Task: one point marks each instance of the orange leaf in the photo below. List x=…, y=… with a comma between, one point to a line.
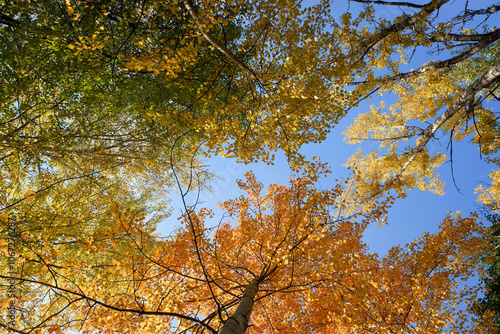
x=28, y=195
x=6, y=302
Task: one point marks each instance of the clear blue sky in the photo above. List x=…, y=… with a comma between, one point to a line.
x=409, y=217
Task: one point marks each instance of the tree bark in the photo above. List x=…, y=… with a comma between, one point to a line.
x=484, y=41
x=485, y=81
x=238, y=322
x=391, y=3
x=406, y=22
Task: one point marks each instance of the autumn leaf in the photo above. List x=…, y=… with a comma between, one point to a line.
x=6, y=302
x=5, y=250
x=28, y=196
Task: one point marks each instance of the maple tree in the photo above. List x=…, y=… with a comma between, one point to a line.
x=288, y=260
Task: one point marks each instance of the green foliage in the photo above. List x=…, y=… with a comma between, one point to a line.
x=470, y=69
x=488, y=307
x=106, y=89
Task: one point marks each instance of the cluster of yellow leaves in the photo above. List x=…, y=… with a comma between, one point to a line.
x=281, y=105
x=403, y=155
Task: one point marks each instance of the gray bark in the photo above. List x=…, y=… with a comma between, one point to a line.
x=238, y=322
x=485, y=81
x=469, y=14
x=484, y=41
x=391, y=3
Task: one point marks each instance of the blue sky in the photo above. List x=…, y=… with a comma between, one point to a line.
x=419, y=212
x=408, y=218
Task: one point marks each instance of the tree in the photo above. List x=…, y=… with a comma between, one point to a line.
x=245, y=84
x=287, y=260
x=488, y=307
x=82, y=85
x=107, y=104
x=235, y=81
x=446, y=95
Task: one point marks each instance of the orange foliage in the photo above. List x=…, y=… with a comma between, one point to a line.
x=306, y=255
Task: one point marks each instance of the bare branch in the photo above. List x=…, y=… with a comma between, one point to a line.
x=391, y=3
x=490, y=38
x=460, y=37
x=406, y=22
x=469, y=14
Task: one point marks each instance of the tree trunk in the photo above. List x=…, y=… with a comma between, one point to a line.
x=238, y=322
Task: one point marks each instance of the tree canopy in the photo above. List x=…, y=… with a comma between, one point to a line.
x=110, y=109
x=488, y=307
x=288, y=259
x=448, y=95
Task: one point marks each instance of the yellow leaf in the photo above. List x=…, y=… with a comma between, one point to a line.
x=5, y=250
x=4, y=217
x=28, y=195
x=70, y=10
x=45, y=269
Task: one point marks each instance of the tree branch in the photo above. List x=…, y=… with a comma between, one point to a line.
x=221, y=47
x=115, y=308
x=469, y=14
x=460, y=37
x=484, y=82
x=13, y=330
x=487, y=40
x=408, y=21
x=4, y=19
x=391, y=3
